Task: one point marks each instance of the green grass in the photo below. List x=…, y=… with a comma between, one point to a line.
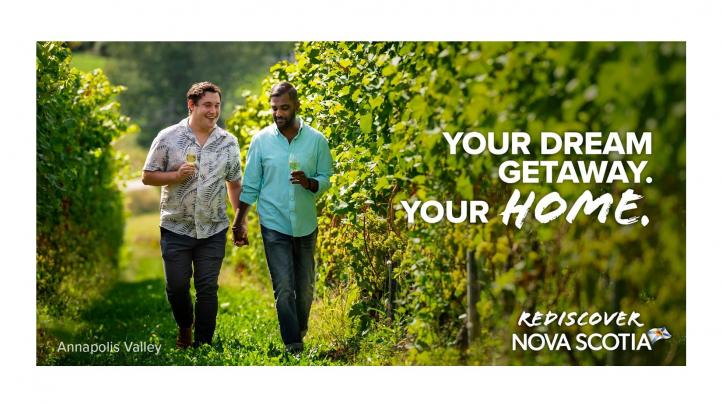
x=135, y=309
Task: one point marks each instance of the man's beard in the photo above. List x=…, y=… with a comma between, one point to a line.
x=286, y=123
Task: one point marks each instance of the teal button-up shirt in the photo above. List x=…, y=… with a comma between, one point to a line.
x=282, y=206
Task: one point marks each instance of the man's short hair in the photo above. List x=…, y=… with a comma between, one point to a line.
x=196, y=91
x=282, y=88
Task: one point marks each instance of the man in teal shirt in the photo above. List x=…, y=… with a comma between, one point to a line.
x=289, y=166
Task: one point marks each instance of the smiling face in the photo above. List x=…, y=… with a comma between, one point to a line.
x=206, y=111
x=284, y=111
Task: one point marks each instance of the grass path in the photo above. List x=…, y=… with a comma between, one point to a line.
x=135, y=310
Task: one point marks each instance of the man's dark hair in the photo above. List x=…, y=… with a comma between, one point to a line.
x=282, y=88
x=196, y=91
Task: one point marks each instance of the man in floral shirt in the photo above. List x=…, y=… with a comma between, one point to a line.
x=196, y=163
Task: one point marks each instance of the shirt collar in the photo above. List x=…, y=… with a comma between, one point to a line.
x=184, y=123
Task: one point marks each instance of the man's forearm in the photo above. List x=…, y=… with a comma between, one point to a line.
x=159, y=178
x=234, y=194
x=241, y=213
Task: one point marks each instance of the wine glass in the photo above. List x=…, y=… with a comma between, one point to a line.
x=192, y=159
x=293, y=162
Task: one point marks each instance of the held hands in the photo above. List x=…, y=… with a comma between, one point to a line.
x=185, y=171
x=240, y=228
x=299, y=178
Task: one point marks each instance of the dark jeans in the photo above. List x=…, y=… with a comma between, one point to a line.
x=185, y=257
x=291, y=264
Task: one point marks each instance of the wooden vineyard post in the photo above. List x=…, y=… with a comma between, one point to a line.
x=392, y=291
x=472, y=297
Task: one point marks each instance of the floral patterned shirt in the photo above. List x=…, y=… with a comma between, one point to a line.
x=195, y=207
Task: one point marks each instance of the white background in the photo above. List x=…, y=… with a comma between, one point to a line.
x=24, y=23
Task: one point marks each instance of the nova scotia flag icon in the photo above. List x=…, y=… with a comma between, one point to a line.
x=657, y=334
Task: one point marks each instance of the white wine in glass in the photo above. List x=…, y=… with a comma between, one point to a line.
x=191, y=158
x=294, y=163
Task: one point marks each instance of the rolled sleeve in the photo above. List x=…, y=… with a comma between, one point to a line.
x=253, y=174
x=324, y=167
x=157, y=159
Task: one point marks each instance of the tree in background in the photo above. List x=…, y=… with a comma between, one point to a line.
x=158, y=74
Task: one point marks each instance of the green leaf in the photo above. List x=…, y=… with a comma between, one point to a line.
x=365, y=123
x=388, y=70
x=376, y=101
x=464, y=187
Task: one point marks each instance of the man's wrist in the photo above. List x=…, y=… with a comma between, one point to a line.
x=311, y=185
